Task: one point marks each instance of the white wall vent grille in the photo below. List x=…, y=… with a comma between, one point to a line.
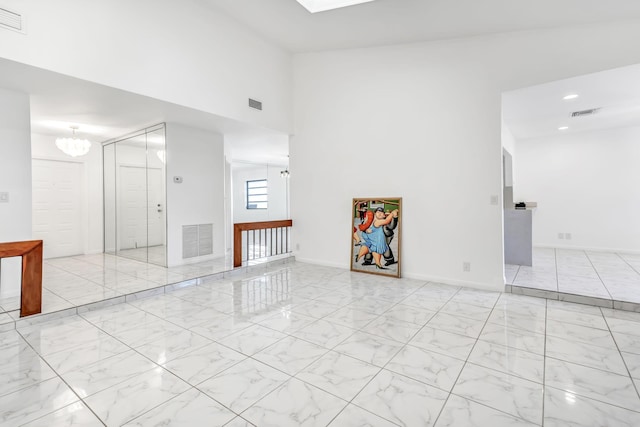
x=255, y=104
x=11, y=20
x=197, y=240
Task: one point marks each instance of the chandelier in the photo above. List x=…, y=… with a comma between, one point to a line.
x=73, y=146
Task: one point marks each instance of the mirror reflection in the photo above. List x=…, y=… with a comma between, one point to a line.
x=134, y=196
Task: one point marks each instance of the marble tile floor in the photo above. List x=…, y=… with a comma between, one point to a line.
x=302, y=345
x=597, y=278
x=80, y=280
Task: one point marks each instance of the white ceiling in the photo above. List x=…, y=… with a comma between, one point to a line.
x=383, y=22
x=102, y=113
x=538, y=111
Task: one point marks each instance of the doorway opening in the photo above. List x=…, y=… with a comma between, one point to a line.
x=571, y=204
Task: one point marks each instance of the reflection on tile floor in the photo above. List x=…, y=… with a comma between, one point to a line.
x=303, y=345
x=75, y=281
x=598, y=278
x=153, y=254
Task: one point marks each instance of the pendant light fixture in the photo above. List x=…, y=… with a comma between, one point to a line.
x=73, y=146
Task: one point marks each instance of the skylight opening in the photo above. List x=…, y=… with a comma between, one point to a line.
x=315, y=6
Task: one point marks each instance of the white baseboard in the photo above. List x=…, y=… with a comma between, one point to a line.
x=497, y=287
x=343, y=266
x=589, y=249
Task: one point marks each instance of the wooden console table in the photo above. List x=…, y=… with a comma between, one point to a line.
x=31, y=253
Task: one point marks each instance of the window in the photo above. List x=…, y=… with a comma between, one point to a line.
x=257, y=197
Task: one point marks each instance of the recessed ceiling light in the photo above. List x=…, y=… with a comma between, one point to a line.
x=571, y=96
x=314, y=6
x=563, y=128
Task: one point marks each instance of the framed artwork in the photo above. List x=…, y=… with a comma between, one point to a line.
x=375, y=235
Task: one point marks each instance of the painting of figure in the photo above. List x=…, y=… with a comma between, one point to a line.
x=375, y=242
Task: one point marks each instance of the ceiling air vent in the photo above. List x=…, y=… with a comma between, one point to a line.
x=255, y=104
x=11, y=20
x=582, y=113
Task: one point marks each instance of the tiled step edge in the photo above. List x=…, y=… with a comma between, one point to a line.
x=579, y=299
x=251, y=270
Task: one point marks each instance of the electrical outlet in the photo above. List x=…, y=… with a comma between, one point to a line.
x=561, y=236
x=297, y=246
x=494, y=200
x=4, y=197
x=466, y=266
x=567, y=236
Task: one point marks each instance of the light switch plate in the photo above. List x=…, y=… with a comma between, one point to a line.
x=4, y=197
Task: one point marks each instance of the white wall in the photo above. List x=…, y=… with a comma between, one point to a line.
x=508, y=162
x=586, y=184
x=198, y=157
x=277, y=193
x=15, y=179
x=508, y=141
x=228, y=204
x=44, y=147
x=177, y=51
x=423, y=121
x=509, y=145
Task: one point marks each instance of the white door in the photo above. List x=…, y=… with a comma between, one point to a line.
x=141, y=212
x=133, y=207
x=57, y=207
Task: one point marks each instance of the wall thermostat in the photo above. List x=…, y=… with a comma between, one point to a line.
x=177, y=179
